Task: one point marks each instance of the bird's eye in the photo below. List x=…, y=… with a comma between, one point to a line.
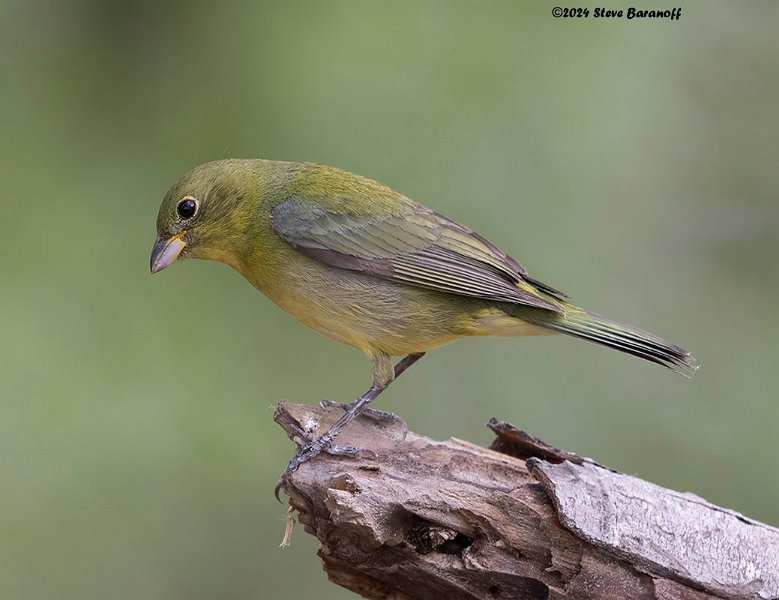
x=187, y=208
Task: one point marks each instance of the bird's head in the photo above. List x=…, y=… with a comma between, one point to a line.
x=206, y=213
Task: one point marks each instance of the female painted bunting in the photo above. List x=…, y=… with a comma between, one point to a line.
x=368, y=267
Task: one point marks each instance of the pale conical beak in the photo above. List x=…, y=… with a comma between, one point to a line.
x=165, y=252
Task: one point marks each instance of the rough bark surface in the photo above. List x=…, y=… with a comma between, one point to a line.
x=415, y=518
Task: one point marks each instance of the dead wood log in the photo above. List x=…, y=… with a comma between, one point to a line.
x=419, y=519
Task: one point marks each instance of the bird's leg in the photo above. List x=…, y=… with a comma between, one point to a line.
x=405, y=362
x=383, y=375
x=324, y=443
x=380, y=415
x=302, y=438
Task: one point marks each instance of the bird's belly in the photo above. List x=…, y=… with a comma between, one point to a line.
x=369, y=313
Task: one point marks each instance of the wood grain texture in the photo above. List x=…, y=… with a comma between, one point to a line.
x=681, y=535
x=416, y=518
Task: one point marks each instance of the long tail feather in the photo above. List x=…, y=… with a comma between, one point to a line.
x=625, y=338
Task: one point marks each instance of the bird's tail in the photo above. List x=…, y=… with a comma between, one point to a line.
x=625, y=338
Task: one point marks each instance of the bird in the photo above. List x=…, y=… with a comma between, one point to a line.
x=369, y=267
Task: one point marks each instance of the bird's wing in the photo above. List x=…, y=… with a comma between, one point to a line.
x=412, y=245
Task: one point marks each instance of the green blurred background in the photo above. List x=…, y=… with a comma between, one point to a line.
x=631, y=164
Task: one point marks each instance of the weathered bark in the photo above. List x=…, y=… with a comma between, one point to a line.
x=420, y=519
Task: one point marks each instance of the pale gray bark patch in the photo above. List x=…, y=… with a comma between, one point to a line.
x=677, y=534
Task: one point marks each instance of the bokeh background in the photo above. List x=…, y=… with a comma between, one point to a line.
x=631, y=164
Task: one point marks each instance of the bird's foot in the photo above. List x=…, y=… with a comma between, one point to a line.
x=373, y=414
x=309, y=448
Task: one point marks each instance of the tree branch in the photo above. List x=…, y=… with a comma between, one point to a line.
x=421, y=519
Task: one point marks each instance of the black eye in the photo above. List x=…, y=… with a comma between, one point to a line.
x=187, y=208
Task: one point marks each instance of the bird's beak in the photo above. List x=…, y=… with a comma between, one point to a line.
x=165, y=251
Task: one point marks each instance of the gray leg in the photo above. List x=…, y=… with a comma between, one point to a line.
x=325, y=441
x=405, y=362
x=382, y=378
x=372, y=413
x=303, y=439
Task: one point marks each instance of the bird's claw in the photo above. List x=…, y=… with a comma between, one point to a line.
x=371, y=413
x=310, y=448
